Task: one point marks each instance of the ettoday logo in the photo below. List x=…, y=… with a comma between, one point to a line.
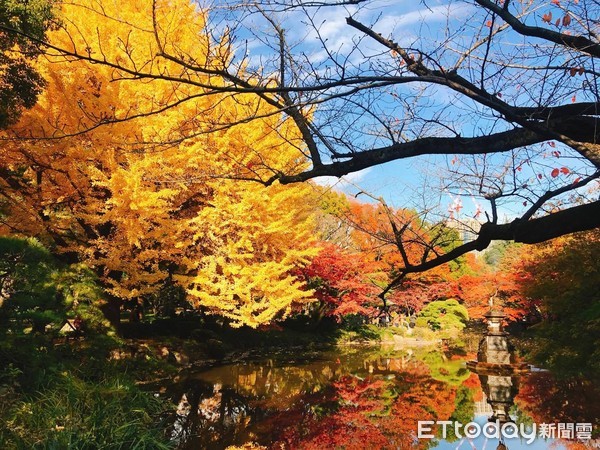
x=472, y=430
x=508, y=430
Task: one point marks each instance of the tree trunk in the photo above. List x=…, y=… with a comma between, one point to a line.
x=112, y=312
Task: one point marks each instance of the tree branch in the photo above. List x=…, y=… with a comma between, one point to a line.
x=579, y=43
x=495, y=143
x=571, y=220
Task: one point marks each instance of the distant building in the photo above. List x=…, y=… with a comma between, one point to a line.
x=467, y=228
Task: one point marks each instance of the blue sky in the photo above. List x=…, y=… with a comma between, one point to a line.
x=419, y=182
x=481, y=443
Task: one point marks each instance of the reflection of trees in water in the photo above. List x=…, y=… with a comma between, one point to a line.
x=319, y=404
x=534, y=397
x=209, y=416
x=372, y=412
x=224, y=405
x=354, y=401
x=546, y=398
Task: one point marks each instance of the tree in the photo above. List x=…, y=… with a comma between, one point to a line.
x=447, y=315
x=142, y=219
x=20, y=82
x=343, y=284
x=40, y=294
x=522, y=131
x=350, y=281
x=563, y=279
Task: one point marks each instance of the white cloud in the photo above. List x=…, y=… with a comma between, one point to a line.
x=343, y=182
x=401, y=24
x=391, y=24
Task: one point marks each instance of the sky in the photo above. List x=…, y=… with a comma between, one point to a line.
x=416, y=182
x=481, y=443
x=401, y=182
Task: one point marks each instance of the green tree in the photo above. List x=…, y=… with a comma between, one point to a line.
x=38, y=294
x=20, y=83
x=445, y=315
x=447, y=239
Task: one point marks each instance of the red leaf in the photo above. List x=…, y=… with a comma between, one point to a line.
x=564, y=170
x=566, y=20
x=540, y=176
x=547, y=17
x=554, y=173
x=574, y=98
x=488, y=23
x=577, y=180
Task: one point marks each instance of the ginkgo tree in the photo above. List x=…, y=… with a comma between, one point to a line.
x=150, y=199
x=507, y=90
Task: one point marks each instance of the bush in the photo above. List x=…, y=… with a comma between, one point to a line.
x=443, y=315
x=56, y=393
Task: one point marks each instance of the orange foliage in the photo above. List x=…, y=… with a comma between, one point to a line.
x=344, y=283
x=474, y=384
x=373, y=235
x=476, y=290
x=373, y=413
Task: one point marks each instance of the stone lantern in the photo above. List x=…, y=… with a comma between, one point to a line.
x=494, y=348
x=494, y=319
x=496, y=366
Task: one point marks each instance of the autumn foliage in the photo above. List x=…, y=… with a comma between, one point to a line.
x=146, y=198
x=343, y=283
x=373, y=411
x=145, y=179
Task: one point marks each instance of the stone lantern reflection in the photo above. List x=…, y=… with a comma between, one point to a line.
x=496, y=367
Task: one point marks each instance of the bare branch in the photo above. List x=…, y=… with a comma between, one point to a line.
x=579, y=43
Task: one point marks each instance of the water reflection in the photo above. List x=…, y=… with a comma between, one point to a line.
x=335, y=399
x=365, y=398
x=497, y=368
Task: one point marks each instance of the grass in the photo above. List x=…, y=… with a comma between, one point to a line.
x=75, y=414
x=74, y=397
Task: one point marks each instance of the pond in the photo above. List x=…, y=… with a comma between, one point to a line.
x=373, y=398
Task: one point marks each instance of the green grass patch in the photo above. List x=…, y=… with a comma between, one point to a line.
x=75, y=414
